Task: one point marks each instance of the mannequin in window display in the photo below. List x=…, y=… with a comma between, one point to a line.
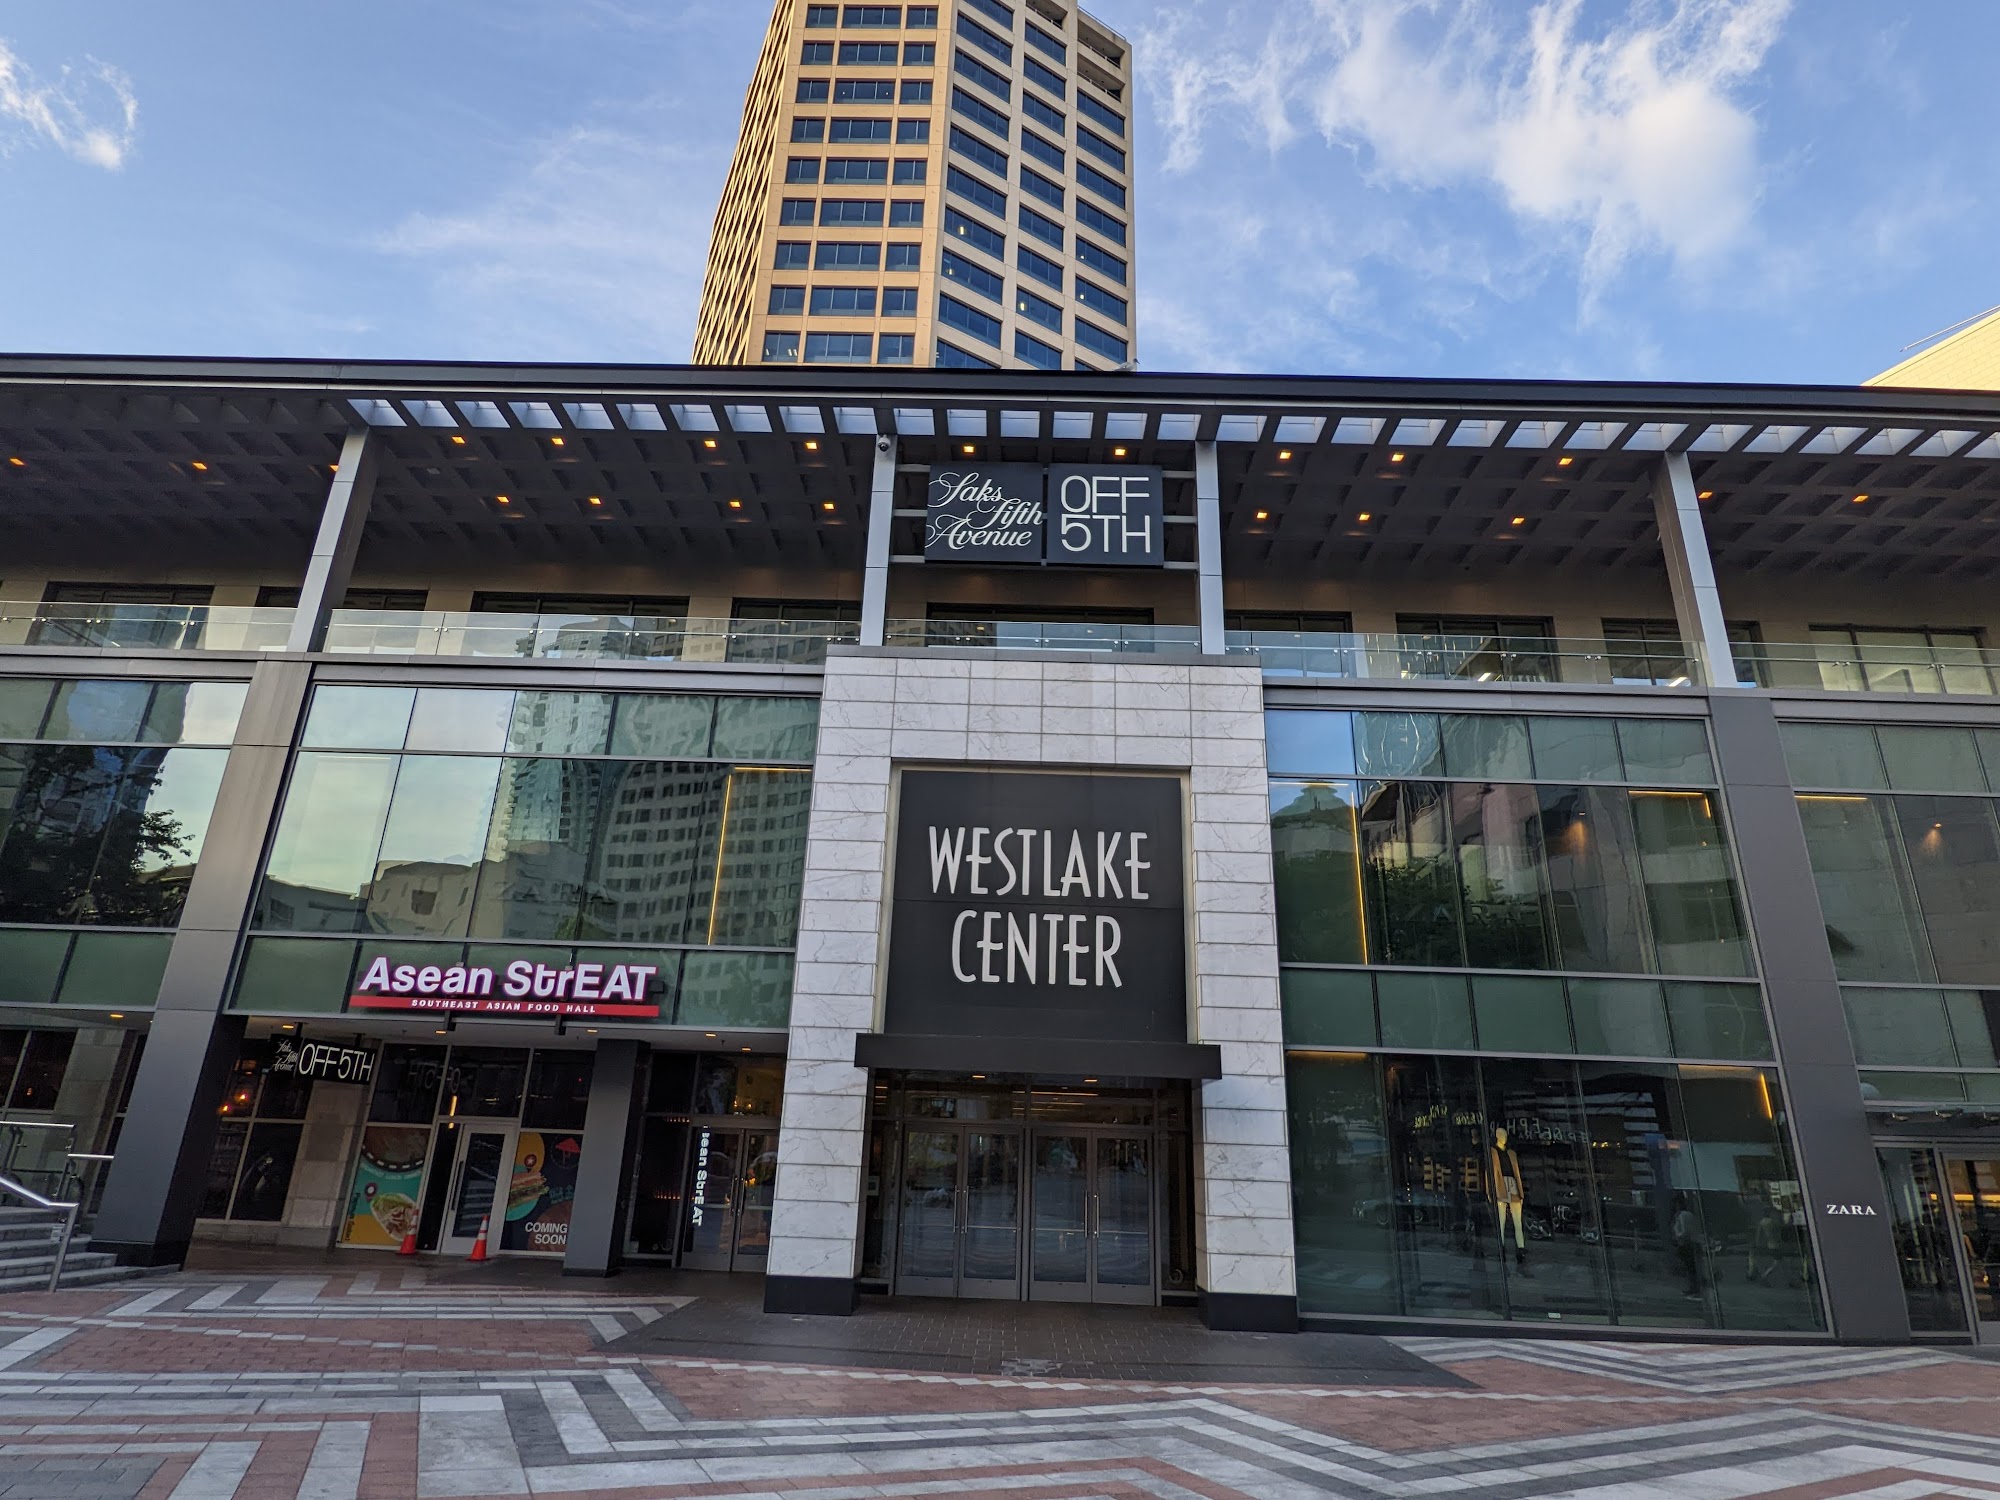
x=1509, y=1199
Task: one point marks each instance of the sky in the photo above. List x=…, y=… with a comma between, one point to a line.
x=1713, y=190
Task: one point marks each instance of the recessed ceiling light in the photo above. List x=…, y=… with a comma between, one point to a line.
x=1706, y=495
x=1263, y=515
x=1284, y=454
x=1117, y=452
x=1395, y=458
x=199, y=466
x=709, y=1034
x=596, y=499
x=501, y=498
x=746, y=1049
x=1518, y=520
x=1859, y=498
x=826, y=505
x=555, y=442
x=708, y=442
x=1564, y=462
x=736, y=505
x=118, y=1015
x=1364, y=516
x=967, y=450
x=19, y=463
x=812, y=445
x=458, y=440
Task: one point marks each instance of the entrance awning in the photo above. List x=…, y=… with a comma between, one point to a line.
x=1063, y=1055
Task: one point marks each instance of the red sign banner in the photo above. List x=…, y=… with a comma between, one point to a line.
x=497, y=1006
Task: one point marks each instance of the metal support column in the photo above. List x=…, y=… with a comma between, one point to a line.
x=1845, y=1201
x=881, y=520
x=1691, y=572
x=156, y=1182
x=1208, y=548
x=610, y=1133
x=339, y=539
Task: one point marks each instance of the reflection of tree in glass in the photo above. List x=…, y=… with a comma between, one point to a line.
x=81, y=846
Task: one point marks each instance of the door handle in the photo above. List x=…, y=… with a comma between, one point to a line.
x=1096, y=1215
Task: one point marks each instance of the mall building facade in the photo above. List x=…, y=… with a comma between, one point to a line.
x=1333, y=852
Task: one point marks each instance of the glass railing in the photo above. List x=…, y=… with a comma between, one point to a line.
x=1434, y=658
x=144, y=627
x=573, y=637
x=1043, y=635
x=1884, y=668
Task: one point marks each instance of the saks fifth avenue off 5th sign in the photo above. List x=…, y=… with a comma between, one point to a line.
x=1087, y=515
x=1038, y=905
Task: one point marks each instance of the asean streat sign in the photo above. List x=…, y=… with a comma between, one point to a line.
x=1087, y=515
x=521, y=988
x=1033, y=905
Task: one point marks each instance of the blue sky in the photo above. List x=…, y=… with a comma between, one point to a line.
x=1703, y=190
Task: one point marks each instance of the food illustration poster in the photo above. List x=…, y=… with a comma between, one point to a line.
x=541, y=1190
x=383, y=1205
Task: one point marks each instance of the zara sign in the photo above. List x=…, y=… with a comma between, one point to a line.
x=1082, y=514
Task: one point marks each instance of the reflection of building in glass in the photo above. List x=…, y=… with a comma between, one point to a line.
x=428, y=897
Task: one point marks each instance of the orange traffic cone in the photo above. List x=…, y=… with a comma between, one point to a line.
x=479, y=1245
x=409, y=1244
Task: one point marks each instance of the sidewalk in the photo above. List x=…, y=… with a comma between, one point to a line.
x=269, y=1376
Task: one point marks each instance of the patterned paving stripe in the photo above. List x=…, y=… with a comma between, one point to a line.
x=1700, y=1372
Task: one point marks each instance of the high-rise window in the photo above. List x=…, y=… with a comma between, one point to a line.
x=865, y=54
x=1101, y=261
x=1089, y=140
x=872, y=15
x=1111, y=192
x=1043, y=151
x=971, y=68
x=822, y=17
x=899, y=302
x=973, y=190
x=780, y=346
x=787, y=299
x=1048, y=231
x=951, y=357
x=861, y=132
x=793, y=255
x=912, y=132
x=919, y=16
x=1044, y=114
x=812, y=91
x=955, y=314
x=843, y=301
x=1098, y=300
x=919, y=54
x=916, y=91
x=839, y=348
x=973, y=277
x=1109, y=118
x=806, y=129
x=906, y=214
x=972, y=232
x=836, y=255
x=896, y=348
x=1036, y=353
x=1091, y=217
x=816, y=54
x=1097, y=341
x=911, y=171
x=851, y=211
x=865, y=91
x=858, y=169
x=905, y=258
x=985, y=40
x=802, y=169
x=796, y=211
x=1037, y=309
x=1043, y=78
x=1035, y=185
x=1039, y=266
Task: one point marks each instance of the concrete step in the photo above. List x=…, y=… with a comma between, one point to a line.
x=72, y=1277
x=24, y=1265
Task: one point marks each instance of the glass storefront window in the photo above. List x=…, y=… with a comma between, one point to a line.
x=407, y=1079
x=1639, y=1194
x=1316, y=863
x=1865, y=893
x=761, y=729
x=1953, y=846
x=731, y=1086
x=472, y=720
x=558, y=1090
x=432, y=844
x=359, y=718
x=328, y=837
x=485, y=1081
x=1833, y=755
x=664, y=725
x=1577, y=749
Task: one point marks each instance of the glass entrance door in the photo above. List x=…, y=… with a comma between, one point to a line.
x=960, y=1213
x=1974, y=1186
x=1092, y=1231
x=482, y=1165
x=732, y=1180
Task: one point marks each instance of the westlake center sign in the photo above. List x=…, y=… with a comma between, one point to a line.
x=1082, y=514
x=1038, y=906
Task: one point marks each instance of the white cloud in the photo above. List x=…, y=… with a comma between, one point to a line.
x=89, y=113
x=1625, y=138
x=594, y=250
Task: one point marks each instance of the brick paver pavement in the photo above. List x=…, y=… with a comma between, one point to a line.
x=367, y=1378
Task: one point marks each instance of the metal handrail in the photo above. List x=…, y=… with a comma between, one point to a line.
x=63, y=1236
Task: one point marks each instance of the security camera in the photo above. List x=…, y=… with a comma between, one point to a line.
x=882, y=445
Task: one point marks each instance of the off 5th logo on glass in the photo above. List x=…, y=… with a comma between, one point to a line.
x=1078, y=514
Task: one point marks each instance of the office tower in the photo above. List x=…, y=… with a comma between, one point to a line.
x=945, y=185
x=1965, y=357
